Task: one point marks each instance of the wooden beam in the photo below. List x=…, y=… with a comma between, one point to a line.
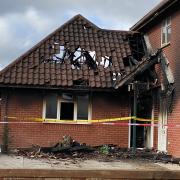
x=166, y=69
x=140, y=69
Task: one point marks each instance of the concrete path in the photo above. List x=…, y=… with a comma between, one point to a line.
x=22, y=167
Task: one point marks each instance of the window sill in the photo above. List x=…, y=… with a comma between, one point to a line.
x=165, y=45
x=57, y=121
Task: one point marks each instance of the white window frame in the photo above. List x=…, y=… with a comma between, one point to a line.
x=60, y=99
x=166, y=26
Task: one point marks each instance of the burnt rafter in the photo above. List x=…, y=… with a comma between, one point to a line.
x=137, y=45
x=145, y=65
x=89, y=60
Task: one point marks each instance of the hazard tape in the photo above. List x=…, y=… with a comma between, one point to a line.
x=110, y=121
x=85, y=121
x=89, y=121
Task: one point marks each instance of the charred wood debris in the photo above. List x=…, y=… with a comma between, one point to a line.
x=70, y=149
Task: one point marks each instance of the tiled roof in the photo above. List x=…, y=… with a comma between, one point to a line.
x=77, y=53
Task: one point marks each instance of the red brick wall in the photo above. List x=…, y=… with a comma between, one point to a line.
x=25, y=104
x=173, y=54
x=110, y=105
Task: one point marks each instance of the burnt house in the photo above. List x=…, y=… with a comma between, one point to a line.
x=80, y=73
x=161, y=27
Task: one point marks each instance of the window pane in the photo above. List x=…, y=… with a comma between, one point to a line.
x=82, y=107
x=168, y=21
x=163, y=37
x=67, y=111
x=164, y=24
x=166, y=30
x=168, y=33
x=51, y=106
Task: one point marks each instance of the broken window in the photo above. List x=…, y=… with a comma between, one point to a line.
x=67, y=111
x=51, y=106
x=82, y=107
x=66, y=107
x=166, y=31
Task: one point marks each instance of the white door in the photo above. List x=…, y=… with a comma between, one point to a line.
x=162, y=130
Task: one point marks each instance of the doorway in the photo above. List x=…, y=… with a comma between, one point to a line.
x=162, y=130
x=143, y=133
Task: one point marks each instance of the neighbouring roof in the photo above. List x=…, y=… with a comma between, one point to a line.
x=156, y=12
x=77, y=54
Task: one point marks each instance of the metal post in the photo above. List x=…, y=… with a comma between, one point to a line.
x=134, y=114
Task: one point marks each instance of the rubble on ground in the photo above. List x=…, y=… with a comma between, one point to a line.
x=71, y=149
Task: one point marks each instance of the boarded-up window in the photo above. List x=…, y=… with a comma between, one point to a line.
x=82, y=107
x=51, y=106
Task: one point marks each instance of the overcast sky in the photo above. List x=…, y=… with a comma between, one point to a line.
x=24, y=22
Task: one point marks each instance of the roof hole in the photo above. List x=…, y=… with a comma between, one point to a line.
x=106, y=61
x=80, y=82
x=126, y=61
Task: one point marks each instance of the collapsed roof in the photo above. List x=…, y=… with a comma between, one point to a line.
x=77, y=54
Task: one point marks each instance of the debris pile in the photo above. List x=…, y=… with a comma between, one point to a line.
x=68, y=145
x=71, y=149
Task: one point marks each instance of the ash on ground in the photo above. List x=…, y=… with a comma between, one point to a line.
x=68, y=148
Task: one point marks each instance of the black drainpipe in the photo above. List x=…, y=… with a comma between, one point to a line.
x=5, y=139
